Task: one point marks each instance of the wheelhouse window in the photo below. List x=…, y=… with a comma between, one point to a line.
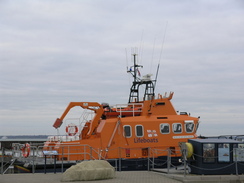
x=189, y=127
x=164, y=128
x=177, y=128
x=139, y=131
x=127, y=131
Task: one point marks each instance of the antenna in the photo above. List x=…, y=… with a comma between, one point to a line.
x=161, y=53
x=126, y=59
x=141, y=48
x=163, y=42
x=152, y=54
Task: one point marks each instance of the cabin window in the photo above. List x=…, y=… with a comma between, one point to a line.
x=139, y=131
x=164, y=128
x=189, y=127
x=224, y=152
x=238, y=151
x=208, y=153
x=127, y=131
x=177, y=128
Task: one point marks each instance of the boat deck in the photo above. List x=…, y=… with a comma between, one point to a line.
x=127, y=176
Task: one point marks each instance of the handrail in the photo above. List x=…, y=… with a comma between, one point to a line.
x=119, y=108
x=11, y=164
x=91, y=153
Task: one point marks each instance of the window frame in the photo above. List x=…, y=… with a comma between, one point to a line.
x=192, y=128
x=173, y=128
x=223, y=151
x=125, y=133
x=161, y=128
x=141, y=131
x=208, y=157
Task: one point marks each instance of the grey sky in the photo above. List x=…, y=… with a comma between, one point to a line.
x=55, y=52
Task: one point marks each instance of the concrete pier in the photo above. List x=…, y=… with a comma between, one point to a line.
x=127, y=177
x=121, y=177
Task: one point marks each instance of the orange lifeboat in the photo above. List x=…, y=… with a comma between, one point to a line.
x=150, y=127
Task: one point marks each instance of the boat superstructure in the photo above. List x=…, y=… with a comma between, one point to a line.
x=130, y=131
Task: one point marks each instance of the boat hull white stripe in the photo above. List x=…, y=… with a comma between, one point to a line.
x=183, y=137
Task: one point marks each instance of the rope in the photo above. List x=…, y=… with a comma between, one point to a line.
x=213, y=168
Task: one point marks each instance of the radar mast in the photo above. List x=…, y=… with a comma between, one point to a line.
x=137, y=82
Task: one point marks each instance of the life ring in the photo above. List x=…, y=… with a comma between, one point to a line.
x=71, y=129
x=26, y=150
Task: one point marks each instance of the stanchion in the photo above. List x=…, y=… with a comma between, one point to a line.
x=2, y=160
x=153, y=160
x=90, y=153
x=55, y=156
x=148, y=159
x=45, y=160
x=116, y=164
x=235, y=150
x=62, y=167
x=168, y=160
x=119, y=159
x=184, y=156
x=33, y=160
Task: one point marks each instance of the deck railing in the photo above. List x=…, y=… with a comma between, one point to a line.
x=86, y=152
x=151, y=161
x=135, y=107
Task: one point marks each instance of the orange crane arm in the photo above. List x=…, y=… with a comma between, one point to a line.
x=84, y=105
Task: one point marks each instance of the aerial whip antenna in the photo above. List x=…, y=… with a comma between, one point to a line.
x=152, y=54
x=161, y=53
x=126, y=58
x=141, y=48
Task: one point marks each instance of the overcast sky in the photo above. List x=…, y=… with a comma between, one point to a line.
x=55, y=52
